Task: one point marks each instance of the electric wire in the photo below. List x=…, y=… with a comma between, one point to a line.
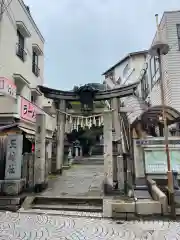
x=6, y=6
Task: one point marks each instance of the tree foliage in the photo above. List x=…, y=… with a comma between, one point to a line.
x=87, y=137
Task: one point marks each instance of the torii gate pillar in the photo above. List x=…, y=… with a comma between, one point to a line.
x=60, y=135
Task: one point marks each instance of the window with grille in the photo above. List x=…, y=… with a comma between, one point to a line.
x=154, y=70
x=178, y=34
x=126, y=71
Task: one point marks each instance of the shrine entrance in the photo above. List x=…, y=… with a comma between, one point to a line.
x=109, y=118
x=86, y=183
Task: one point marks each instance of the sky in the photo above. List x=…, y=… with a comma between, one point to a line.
x=86, y=37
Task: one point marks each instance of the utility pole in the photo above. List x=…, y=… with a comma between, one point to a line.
x=158, y=49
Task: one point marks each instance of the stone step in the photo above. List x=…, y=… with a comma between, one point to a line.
x=90, y=163
x=62, y=213
x=141, y=187
x=142, y=194
x=11, y=208
x=10, y=203
x=88, y=204
x=69, y=200
x=9, y=200
x=68, y=207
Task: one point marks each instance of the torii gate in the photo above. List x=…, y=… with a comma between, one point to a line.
x=111, y=119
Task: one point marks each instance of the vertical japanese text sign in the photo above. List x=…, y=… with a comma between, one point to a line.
x=14, y=157
x=40, y=148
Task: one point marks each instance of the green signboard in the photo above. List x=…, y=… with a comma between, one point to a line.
x=156, y=161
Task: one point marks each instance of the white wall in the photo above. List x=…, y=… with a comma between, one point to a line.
x=173, y=59
x=135, y=65
x=170, y=63
x=9, y=62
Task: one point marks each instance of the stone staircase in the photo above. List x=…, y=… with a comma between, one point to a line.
x=92, y=160
x=69, y=206
x=10, y=203
x=98, y=150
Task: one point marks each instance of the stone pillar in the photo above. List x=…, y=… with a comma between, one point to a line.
x=120, y=166
x=81, y=152
x=108, y=152
x=118, y=137
x=70, y=156
x=60, y=136
x=40, y=158
x=13, y=182
x=77, y=151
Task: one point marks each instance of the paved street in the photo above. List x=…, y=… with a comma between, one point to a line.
x=16, y=226
x=79, y=180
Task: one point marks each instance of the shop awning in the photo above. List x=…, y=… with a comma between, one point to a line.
x=29, y=132
x=5, y=127
x=154, y=115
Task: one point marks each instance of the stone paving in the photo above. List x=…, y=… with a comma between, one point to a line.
x=22, y=226
x=79, y=180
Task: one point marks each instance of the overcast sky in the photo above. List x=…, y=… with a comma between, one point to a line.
x=85, y=37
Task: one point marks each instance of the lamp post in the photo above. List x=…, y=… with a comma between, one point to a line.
x=157, y=49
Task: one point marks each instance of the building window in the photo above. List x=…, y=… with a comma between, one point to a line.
x=145, y=87
x=35, y=68
x=20, y=52
x=154, y=70
x=126, y=71
x=178, y=34
x=32, y=98
x=110, y=75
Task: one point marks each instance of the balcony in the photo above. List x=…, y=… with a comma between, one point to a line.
x=20, y=52
x=35, y=70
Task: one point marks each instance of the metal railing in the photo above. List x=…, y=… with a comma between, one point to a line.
x=20, y=52
x=35, y=69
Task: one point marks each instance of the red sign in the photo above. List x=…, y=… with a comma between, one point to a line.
x=29, y=110
x=7, y=87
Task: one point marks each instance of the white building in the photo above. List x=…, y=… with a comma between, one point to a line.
x=144, y=68
x=124, y=72
x=21, y=68
x=170, y=34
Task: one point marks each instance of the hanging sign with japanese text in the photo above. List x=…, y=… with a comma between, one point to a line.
x=29, y=110
x=14, y=157
x=7, y=87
